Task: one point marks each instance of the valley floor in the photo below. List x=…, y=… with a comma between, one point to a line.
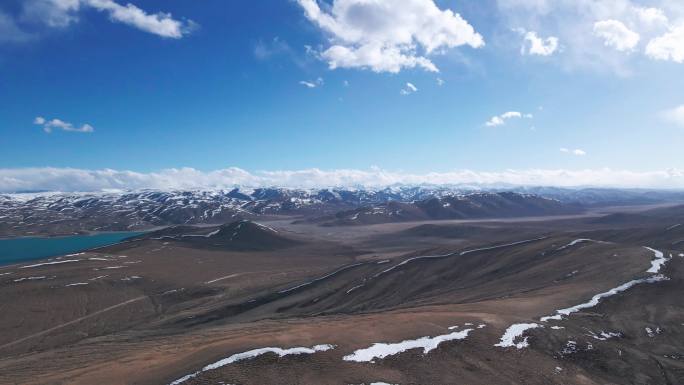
x=576, y=300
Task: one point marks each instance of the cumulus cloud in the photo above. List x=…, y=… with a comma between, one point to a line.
x=500, y=120
x=675, y=115
x=62, y=13
x=383, y=36
x=615, y=34
x=535, y=45
x=577, y=151
x=651, y=16
x=408, y=89
x=312, y=84
x=57, y=124
x=586, y=27
x=69, y=179
x=669, y=46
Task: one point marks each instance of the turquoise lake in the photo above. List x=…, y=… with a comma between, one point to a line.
x=16, y=250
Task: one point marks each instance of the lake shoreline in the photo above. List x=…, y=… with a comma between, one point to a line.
x=23, y=249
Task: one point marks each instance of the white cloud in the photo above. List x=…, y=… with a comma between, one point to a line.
x=535, y=45
x=57, y=124
x=495, y=121
x=669, y=46
x=408, y=89
x=440, y=82
x=62, y=13
x=312, y=84
x=675, y=115
x=651, y=16
x=511, y=114
x=616, y=34
x=384, y=36
x=68, y=179
x=626, y=25
x=577, y=151
x=53, y=13
x=500, y=120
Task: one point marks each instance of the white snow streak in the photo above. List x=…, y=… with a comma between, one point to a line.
x=29, y=279
x=603, y=336
x=598, y=297
x=382, y=350
x=252, y=354
x=321, y=278
x=515, y=331
x=50, y=263
x=457, y=253
x=573, y=243
x=656, y=264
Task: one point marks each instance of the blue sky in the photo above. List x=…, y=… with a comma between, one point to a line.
x=587, y=85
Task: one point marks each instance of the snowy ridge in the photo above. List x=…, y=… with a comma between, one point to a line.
x=344, y=268
x=513, y=333
x=656, y=264
x=407, y=261
x=598, y=297
x=30, y=279
x=50, y=263
x=573, y=243
x=382, y=350
x=69, y=213
x=252, y=354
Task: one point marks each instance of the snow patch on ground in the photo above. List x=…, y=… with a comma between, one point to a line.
x=29, y=279
x=573, y=243
x=598, y=297
x=382, y=350
x=656, y=264
x=252, y=354
x=462, y=253
x=50, y=263
x=76, y=284
x=514, y=332
x=603, y=336
x=321, y=278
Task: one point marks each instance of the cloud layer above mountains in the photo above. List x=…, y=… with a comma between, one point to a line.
x=69, y=179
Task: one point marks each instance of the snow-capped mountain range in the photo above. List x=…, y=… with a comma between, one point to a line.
x=69, y=213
